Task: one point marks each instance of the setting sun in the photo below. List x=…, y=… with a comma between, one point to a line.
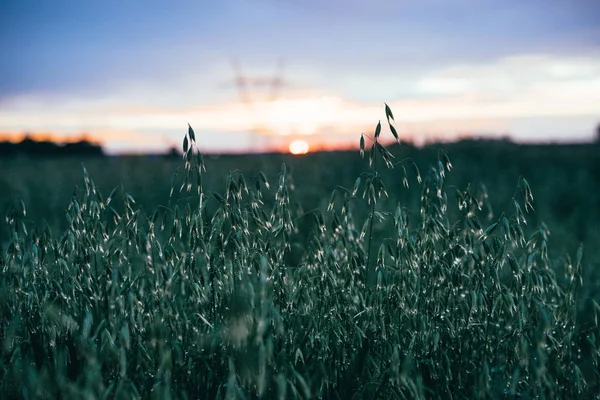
x=299, y=147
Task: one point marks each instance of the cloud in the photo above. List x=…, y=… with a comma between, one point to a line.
x=481, y=97
x=95, y=48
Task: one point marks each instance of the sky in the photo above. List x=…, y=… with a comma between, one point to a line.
x=132, y=74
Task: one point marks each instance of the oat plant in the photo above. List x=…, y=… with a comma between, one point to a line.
x=221, y=295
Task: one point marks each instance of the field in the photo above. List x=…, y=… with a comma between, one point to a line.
x=474, y=272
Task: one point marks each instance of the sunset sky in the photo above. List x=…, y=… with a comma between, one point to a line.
x=132, y=74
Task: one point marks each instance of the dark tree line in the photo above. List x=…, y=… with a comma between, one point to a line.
x=31, y=147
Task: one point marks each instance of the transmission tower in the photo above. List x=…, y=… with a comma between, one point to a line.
x=247, y=87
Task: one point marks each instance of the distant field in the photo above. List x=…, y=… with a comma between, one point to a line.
x=564, y=180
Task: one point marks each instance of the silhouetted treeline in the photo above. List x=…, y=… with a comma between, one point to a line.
x=31, y=147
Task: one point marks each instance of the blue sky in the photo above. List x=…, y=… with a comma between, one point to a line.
x=133, y=73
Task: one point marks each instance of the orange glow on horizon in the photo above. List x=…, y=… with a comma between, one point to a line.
x=298, y=147
x=135, y=142
x=125, y=141
x=16, y=137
